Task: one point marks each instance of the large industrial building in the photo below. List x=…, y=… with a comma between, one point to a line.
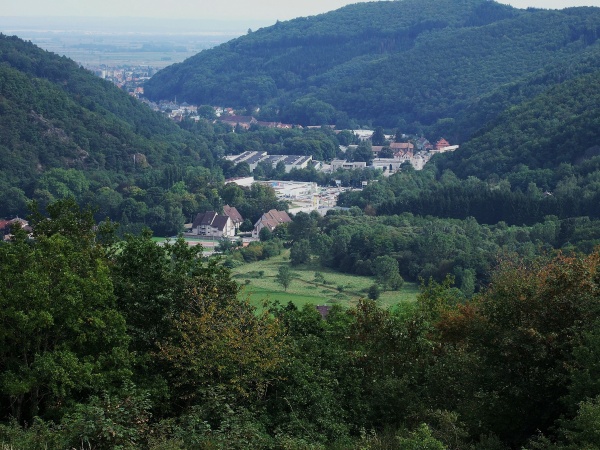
x=253, y=158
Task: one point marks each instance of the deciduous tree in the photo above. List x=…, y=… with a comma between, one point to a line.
x=62, y=336
x=284, y=276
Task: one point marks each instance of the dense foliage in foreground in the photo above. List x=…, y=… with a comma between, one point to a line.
x=127, y=344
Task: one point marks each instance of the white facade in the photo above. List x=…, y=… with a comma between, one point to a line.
x=291, y=189
x=343, y=164
x=388, y=165
x=363, y=135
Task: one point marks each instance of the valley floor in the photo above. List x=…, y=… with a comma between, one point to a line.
x=260, y=284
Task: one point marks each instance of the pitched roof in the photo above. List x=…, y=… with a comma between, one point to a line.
x=238, y=119
x=233, y=214
x=270, y=224
x=323, y=310
x=401, y=145
x=273, y=218
x=442, y=143
x=205, y=218
x=6, y=224
x=212, y=219
x=220, y=222
x=278, y=216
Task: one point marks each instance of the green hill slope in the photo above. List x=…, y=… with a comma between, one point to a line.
x=65, y=131
x=558, y=126
x=538, y=159
x=405, y=63
x=55, y=114
x=487, y=108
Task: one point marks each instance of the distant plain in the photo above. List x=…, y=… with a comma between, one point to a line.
x=121, y=42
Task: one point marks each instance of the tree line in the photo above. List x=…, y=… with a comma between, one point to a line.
x=122, y=343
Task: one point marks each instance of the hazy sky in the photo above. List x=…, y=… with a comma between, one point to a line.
x=211, y=9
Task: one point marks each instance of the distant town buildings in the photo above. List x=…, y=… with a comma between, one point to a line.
x=416, y=152
x=402, y=152
x=388, y=165
x=363, y=135
x=347, y=165
x=253, y=159
x=402, y=148
x=130, y=78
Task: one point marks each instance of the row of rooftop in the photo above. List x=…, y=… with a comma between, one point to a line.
x=226, y=225
x=401, y=153
x=253, y=158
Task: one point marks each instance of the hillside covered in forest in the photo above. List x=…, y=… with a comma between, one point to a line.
x=63, y=131
x=57, y=113
x=111, y=340
x=407, y=64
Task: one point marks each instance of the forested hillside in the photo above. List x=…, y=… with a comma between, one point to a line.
x=57, y=101
x=109, y=343
x=559, y=126
x=63, y=131
x=537, y=159
x=110, y=340
x=408, y=63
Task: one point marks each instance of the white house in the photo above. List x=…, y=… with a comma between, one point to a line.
x=234, y=215
x=212, y=224
x=343, y=164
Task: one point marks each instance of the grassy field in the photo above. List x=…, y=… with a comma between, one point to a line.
x=208, y=243
x=259, y=283
x=202, y=240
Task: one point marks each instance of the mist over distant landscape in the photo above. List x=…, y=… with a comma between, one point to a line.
x=126, y=40
x=128, y=25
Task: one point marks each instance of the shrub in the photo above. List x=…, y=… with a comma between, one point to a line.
x=374, y=292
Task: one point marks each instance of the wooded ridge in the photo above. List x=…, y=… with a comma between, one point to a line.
x=411, y=64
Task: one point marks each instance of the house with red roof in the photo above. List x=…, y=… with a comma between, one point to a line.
x=6, y=227
x=243, y=121
x=442, y=143
x=271, y=220
x=402, y=150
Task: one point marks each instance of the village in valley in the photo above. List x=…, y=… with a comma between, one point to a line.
x=389, y=158
x=210, y=227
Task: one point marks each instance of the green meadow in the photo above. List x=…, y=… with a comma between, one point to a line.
x=259, y=284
